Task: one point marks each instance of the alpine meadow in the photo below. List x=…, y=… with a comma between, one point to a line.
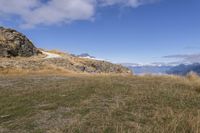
x=99, y=66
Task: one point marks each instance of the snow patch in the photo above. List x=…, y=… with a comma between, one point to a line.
x=51, y=55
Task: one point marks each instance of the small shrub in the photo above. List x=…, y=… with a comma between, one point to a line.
x=198, y=89
x=192, y=76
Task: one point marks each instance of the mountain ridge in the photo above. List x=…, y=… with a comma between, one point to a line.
x=28, y=58
x=184, y=69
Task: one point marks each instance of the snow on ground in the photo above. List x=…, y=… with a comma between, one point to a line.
x=51, y=55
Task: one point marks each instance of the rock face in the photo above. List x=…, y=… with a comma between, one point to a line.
x=13, y=43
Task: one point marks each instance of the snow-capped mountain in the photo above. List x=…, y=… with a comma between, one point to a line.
x=86, y=55
x=177, y=68
x=153, y=68
x=155, y=64
x=184, y=69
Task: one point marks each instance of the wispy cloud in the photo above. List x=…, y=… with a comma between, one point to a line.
x=186, y=58
x=38, y=12
x=192, y=47
x=130, y=3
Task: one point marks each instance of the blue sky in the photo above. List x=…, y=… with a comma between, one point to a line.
x=116, y=30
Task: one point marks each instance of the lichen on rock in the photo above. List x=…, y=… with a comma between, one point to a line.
x=13, y=43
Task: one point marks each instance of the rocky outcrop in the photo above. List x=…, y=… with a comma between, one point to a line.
x=72, y=64
x=13, y=43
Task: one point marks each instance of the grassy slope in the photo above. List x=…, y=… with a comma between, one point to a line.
x=110, y=104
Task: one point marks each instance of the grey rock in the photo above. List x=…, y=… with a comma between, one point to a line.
x=13, y=43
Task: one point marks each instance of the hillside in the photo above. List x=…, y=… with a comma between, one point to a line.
x=65, y=64
x=99, y=104
x=19, y=55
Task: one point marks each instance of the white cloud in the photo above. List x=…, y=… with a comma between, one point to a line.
x=64, y=11
x=36, y=12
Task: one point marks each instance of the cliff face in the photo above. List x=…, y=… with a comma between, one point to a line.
x=13, y=43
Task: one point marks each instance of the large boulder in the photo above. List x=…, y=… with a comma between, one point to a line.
x=13, y=43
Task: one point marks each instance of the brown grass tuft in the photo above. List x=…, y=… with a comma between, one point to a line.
x=192, y=76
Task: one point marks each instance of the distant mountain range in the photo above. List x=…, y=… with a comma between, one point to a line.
x=183, y=69
x=86, y=55
x=154, y=68
x=162, y=68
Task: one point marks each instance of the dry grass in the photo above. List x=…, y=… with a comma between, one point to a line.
x=45, y=70
x=99, y=103
x=194, y=80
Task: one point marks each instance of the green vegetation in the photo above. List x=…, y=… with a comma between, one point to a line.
x=101, y=103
